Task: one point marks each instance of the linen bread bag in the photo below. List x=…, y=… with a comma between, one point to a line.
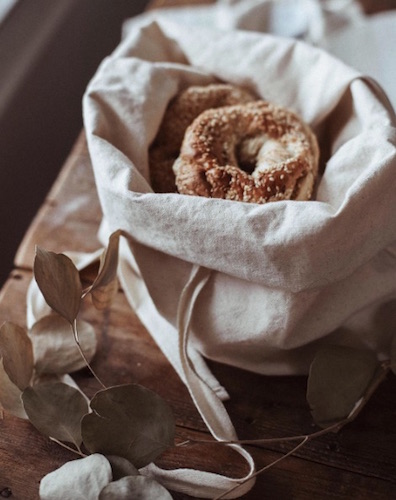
x=258, y=286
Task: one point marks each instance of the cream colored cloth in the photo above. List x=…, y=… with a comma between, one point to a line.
x=255, y=286
x=339, y=26
x=286, y=274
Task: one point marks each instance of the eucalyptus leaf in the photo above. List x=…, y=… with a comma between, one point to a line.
x=68, y=380
x=45, y=378
x=59, y=282
x=56, y=410
x=10, y=395
x=105, y=286
x=102, y=296
x=17, y=352
x=54, y=346
x=121, y=467
x=393, y=355
x=81, y=479
x=136, y=487
x=338, y=378
x=129, y=421
x=50, y=378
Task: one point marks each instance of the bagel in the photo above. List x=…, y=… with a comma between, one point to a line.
x=255, y=152
x=180, y=113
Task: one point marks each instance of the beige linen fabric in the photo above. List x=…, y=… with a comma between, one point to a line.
x=285, y=274
x=254, y=286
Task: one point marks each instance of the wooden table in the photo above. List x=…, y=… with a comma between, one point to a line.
x=357, y=463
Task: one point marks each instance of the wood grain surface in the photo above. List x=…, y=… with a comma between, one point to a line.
x=359, y=462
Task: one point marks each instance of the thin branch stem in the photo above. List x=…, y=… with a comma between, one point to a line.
x=86, y=292
x=76, y=338
x=335, y=427
x=60, y=443
x=379, y=377
x=263, y=469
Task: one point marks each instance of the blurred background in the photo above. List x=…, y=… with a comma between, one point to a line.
x=49, y=49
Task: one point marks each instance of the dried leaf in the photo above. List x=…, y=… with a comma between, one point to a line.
x=137, y=487
x=102, y=296
x=68, y=380
x=45, y=378
x=51, y=378
x=84, y=478
x=56, y=409
x=54, y=346
x=17, y=352
x=10, y=395
x=59, y=282
x=129, y=421
x=121, y=467
x=338, y=378
x=105, y=285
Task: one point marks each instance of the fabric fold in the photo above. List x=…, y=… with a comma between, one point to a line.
x=278, y=254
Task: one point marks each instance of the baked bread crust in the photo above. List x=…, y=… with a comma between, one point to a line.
x=181, y=112
x=255, y=152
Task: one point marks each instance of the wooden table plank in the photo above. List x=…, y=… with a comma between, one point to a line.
x=358, y=463
x=69, y=217
x=269, y=409
x=128, y=354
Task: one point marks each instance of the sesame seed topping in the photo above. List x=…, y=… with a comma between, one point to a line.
x=217, y=122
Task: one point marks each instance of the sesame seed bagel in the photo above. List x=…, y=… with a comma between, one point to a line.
x=255, y=152
x=180, y=113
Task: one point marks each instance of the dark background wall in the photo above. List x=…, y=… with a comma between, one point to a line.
x=49, y=49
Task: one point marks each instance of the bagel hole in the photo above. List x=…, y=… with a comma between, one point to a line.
x=246, y=155
x=247, y=165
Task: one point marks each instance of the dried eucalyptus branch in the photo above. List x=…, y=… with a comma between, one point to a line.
x=263, y=469
x=381, y=374
x=122, y=411
x=76, y=451
x=77, y=340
